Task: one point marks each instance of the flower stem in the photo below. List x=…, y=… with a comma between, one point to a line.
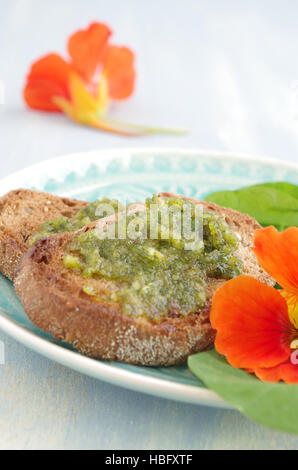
x=142, y=130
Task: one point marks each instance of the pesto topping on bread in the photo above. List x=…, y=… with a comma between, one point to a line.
x=93, y=211
x=160, y=269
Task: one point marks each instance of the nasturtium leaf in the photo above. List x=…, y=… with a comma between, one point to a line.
x=269, y=203
x=274, y=405
x=288, y=188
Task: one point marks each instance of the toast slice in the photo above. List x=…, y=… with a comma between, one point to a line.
x=22, y=212
x=55, y=300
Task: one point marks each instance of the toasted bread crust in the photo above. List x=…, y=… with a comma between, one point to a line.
x=54, y=300
x=22, y=212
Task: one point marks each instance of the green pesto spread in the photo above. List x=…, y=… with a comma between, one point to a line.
x=93, y=211
x=158, y=276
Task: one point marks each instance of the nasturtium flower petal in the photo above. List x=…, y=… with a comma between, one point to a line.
x=119, y=71
x=277, y=253
x=286, y=372
x=48, y=77
x=87, y=48
x=252, y=324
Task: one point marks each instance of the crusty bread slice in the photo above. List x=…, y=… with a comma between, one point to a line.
x=54, y=300
x=22, y=212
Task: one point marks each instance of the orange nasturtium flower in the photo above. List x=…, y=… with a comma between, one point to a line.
x=82, y=86
x=257, y=325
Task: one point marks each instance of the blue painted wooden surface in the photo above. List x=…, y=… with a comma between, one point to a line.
x=226, y=70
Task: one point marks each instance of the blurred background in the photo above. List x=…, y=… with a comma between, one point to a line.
x=225, y=70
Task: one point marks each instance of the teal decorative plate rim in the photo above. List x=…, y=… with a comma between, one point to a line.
x=132, y=175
